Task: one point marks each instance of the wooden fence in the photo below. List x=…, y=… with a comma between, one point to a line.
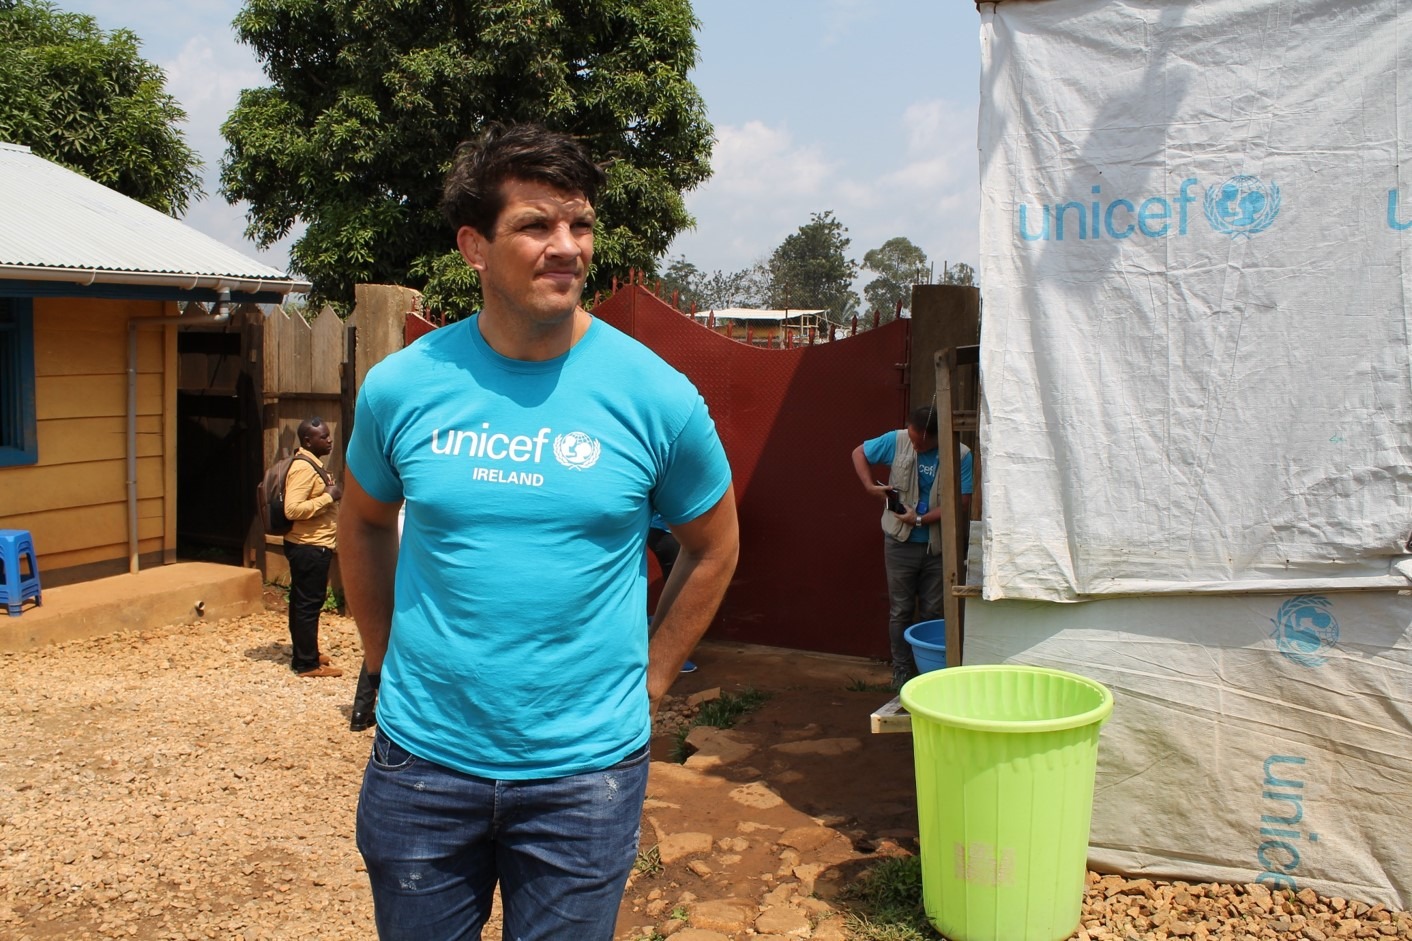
x=307, y=367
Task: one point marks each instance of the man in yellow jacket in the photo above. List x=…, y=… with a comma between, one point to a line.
x=311, y=503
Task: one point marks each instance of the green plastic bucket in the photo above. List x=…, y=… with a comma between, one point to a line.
x=1005, y=758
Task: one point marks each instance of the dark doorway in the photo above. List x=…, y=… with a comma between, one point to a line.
x=218, y=431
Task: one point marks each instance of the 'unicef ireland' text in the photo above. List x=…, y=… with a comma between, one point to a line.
x=497, y=476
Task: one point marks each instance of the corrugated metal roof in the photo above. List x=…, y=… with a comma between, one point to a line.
x=750, y=313
x=53, y=218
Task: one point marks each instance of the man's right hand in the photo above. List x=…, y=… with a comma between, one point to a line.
x=335, y=491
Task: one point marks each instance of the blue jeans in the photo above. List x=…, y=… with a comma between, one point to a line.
x=435, y=842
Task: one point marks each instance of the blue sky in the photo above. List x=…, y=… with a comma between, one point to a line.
x=863, y=107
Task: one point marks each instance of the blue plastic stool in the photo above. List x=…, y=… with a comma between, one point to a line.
x=16, y=588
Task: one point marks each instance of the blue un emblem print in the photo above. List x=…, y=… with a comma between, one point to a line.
x=1242, y=206
x=1305, y=629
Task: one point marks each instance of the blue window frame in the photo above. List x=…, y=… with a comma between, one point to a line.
x=19, y=442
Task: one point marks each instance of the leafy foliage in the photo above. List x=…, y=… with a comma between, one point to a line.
x=748, y=287
x=369, y=101
x=890, y=898
x=960, y=273
x=898, y=265
x=648, y=862
x=681, y=278
x=86, y=99
x=811, y=270
x=721, y=713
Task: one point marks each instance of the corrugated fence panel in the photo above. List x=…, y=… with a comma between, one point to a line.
x=811, y=571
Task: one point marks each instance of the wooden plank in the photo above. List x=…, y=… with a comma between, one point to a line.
x=75, y=440
x=39, y=488
x=78, y=529
x=949, y=493
x=81, y=337
x=891, y=718
x=117, y=552
x=89, y=396
x=169, y=441
x=326, y=352
x=293, y=355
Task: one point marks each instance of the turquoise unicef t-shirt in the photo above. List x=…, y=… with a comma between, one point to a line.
x=882, y=450
x=519, y=632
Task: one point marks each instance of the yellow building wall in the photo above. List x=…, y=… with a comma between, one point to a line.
x=74, y=500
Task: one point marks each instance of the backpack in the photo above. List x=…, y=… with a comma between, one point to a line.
x=269, y=495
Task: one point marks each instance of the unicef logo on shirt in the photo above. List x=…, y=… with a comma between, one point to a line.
x=1242, y=206
x=1305, y=628
x=576, y=450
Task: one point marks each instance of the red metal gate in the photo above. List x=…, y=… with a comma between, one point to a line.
x=811, y=570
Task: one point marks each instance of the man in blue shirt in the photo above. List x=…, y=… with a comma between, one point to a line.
x=911, y=536
x=530, y=444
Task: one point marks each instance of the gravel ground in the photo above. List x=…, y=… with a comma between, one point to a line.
x=181, y=783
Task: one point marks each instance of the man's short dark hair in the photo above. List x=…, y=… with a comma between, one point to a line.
x=307, y=426
x=923, y=419
x=473, y=194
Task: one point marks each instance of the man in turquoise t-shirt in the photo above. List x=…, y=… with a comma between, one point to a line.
x=911, y=537
x=530, y=444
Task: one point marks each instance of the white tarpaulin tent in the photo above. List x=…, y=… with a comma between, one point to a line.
x=1196, y=260
x=1195, y=247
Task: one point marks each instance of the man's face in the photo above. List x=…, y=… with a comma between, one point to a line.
x=319, y=442
x=921, y=440
x=537, y=262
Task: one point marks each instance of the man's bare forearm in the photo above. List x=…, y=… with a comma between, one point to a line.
x=710, y=546
x=367, y=558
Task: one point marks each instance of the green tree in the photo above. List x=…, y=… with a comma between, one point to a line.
x=898, y=265
x=86, y=99
x=959, y=273
x=811, y=270
x=747, y=287
x=683, y=279
x=368, y=101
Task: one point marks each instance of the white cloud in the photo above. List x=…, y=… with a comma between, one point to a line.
x=207, y=76
x=767, y=183
x=763, y=186
x=755, y=160
x=932, y=195
x=842, y=17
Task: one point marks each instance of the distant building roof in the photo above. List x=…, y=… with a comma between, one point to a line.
x=750, y=313
x=58, y=225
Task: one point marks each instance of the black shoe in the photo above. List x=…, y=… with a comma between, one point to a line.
x=362, y=721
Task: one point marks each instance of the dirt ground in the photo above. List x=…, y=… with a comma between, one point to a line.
x=181, y=783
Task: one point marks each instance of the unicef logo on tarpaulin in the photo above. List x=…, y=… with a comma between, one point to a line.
x=1305, y=628
x=576, y=450
x=1242, y=206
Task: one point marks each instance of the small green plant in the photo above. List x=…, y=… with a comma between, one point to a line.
x=680, y=751
x=725, y=712
x=333, y=602
x=649, y=862
x=680, y=913
x=889, y=903
x=859, y=685
x=721, y=713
